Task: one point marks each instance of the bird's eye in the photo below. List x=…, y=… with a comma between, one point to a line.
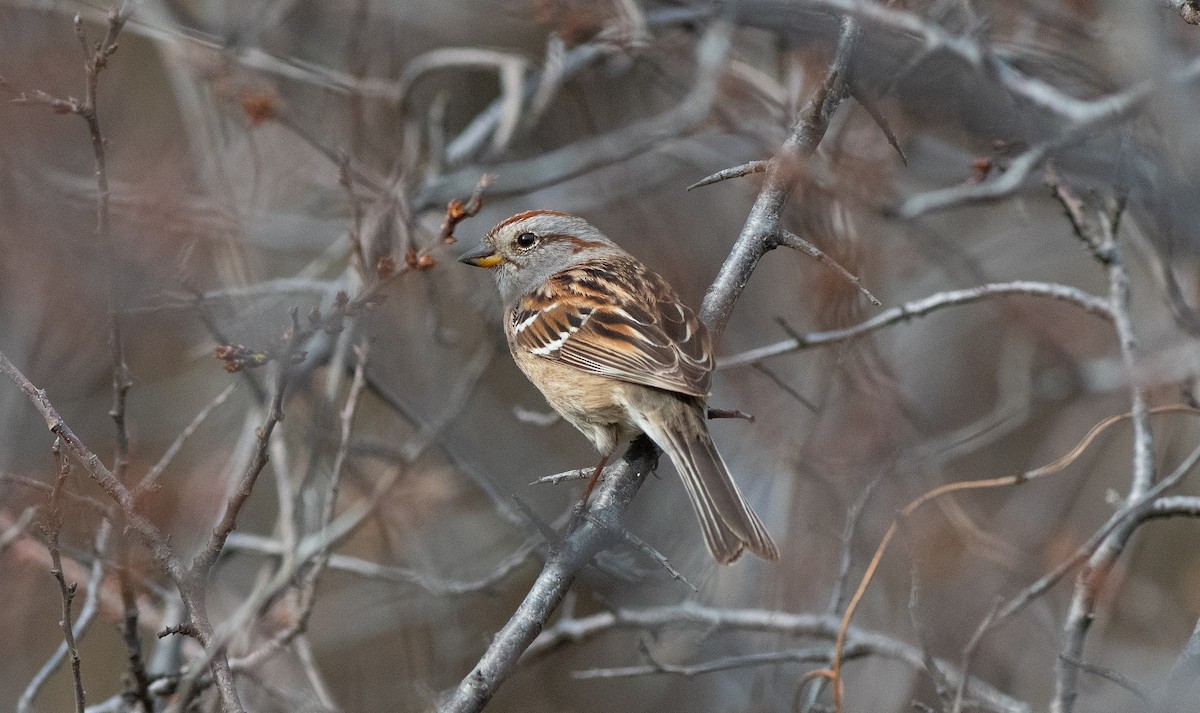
x=526, y=240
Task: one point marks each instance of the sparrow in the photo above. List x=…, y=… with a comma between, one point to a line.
x=617, y=354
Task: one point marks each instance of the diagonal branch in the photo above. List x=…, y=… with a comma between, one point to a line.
x=763, y=223
x=594, y=534
x=146, y=531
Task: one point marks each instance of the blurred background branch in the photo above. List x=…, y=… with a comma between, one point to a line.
x=272, y=179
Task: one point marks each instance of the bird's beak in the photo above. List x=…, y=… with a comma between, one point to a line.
x=482, y=255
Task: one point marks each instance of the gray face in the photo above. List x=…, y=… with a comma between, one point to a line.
x=528, y=248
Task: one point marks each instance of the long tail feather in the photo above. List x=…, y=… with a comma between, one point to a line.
x=729, y=524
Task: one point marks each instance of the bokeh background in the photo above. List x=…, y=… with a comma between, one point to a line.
x=248, y=140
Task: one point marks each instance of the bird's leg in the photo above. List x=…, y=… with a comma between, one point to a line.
x=581, y=507
x=587, y=492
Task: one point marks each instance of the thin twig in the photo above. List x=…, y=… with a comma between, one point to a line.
x=321, y=558
x=808, y=654
x=1092, y=576
x=880, y=120
x=940, y=684
x=137, y=681
x=795, y=242
x=146, y=531
x=565, y=476
x=148, y=481
x=96, y=58
x=645, y=548
x=54, y=521
x=691, y=615
x=1050, y=469
x=87, y=614
x=968, y=654
x=1116, y=677
x=202, y=563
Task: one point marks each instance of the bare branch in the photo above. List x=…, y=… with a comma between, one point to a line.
x=809, y=654
x=645, y=548
x=565, y=562
x=565, y=476
x=1110, y=675
x=148, y=481
x=202, y=563
x=1094, y=573
x=763, y=223
x=66, y=591
x=714, y=620
x=880, y=120
x=149, y=534
x=920, y=308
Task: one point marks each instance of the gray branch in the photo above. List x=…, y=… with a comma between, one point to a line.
x=919, y=308
x=712, y=619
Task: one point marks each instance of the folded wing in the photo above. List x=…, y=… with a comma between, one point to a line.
x=616, y=318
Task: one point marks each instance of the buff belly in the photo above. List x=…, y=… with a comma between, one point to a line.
x=593, y=404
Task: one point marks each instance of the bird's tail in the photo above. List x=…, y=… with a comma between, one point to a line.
x=728, y=523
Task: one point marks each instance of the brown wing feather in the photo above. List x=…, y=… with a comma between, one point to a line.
x=616, y=318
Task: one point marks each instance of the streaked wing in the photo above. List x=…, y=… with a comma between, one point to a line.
x=615, y=317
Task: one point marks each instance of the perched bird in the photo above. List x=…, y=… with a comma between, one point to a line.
x=611, y=347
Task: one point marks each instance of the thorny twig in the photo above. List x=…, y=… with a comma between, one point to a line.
x=789, y=239
x=764, y=222
x=727, y=173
